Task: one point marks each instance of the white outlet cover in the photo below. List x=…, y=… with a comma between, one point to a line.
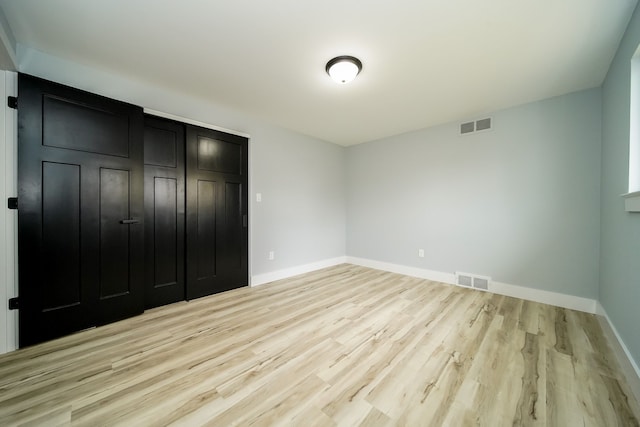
x=421, y=253
x=258, y=197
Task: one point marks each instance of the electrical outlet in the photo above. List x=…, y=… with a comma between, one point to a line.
x=258, y=197
x=272, y=255
x=421, y=253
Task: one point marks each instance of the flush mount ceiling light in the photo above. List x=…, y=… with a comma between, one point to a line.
x=343, y=69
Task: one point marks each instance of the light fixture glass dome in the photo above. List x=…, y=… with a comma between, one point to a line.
x=343, y=69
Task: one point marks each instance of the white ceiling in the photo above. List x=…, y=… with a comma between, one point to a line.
x=426, y=62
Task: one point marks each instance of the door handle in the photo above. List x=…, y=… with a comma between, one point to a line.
x=129, y=221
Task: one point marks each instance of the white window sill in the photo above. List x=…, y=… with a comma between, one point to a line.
x=632, y=201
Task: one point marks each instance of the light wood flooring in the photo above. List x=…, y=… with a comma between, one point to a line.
x=342, y=346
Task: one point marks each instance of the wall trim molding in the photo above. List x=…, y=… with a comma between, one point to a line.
x=194, y=122
x=630, y=369
x=421, y=273
x=261, y=279
x=8, y=218
x=537, y=295
x=546, y=297
x=529, y=294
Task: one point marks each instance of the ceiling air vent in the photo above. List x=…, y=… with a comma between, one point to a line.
x=484, y=124
x=468, y=127
x=475, y=126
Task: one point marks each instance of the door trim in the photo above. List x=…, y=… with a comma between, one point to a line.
x=195, y=122
x=8, y=218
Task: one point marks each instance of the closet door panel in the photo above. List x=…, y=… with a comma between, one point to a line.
x=77, y=126
x=166, y=232
x=114, y=236
x=233, y=233
x=61, y=235
x=164, y=143
x=206, y=237
x=216, y=155
x=164, y=211
x=79, y=174
x=217, y=233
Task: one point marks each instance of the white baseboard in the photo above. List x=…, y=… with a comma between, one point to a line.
x=261, y=279
x=546, y=297
x=529, y=294
x=629, y=367
x=436, y=276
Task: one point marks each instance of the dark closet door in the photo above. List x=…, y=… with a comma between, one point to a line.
x=217, y=237
x=80, y=179
x=164, y=205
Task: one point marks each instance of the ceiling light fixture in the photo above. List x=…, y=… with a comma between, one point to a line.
x=343, y=69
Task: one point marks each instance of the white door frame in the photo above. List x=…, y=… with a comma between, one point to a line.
x=8, y=218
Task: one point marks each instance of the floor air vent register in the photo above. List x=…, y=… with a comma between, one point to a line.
x=473, y=281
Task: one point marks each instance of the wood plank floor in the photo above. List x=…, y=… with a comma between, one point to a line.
x=342, y=346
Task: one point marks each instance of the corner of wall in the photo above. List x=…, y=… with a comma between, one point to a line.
x=8, y=57
x=628, y=366
x=261, y=279
x=617, y=287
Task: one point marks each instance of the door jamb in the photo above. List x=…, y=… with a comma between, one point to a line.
x=8, y=218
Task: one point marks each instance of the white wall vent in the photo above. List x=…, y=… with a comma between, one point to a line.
x=472, y=280
x=463, y=279
x=476, y=126
x=481, y=283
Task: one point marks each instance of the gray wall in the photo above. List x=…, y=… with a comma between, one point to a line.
x=620, y=230
x=519, y=203
x=302, y=216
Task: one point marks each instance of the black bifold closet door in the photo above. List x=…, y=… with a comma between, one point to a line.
x=164, y=206
x=217, y=236
x=119, y=211
x=216, y=232
x=80, y=192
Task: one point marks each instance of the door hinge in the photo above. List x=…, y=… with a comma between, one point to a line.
x=14, y=303
x=12, y=102
x=12, y=203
